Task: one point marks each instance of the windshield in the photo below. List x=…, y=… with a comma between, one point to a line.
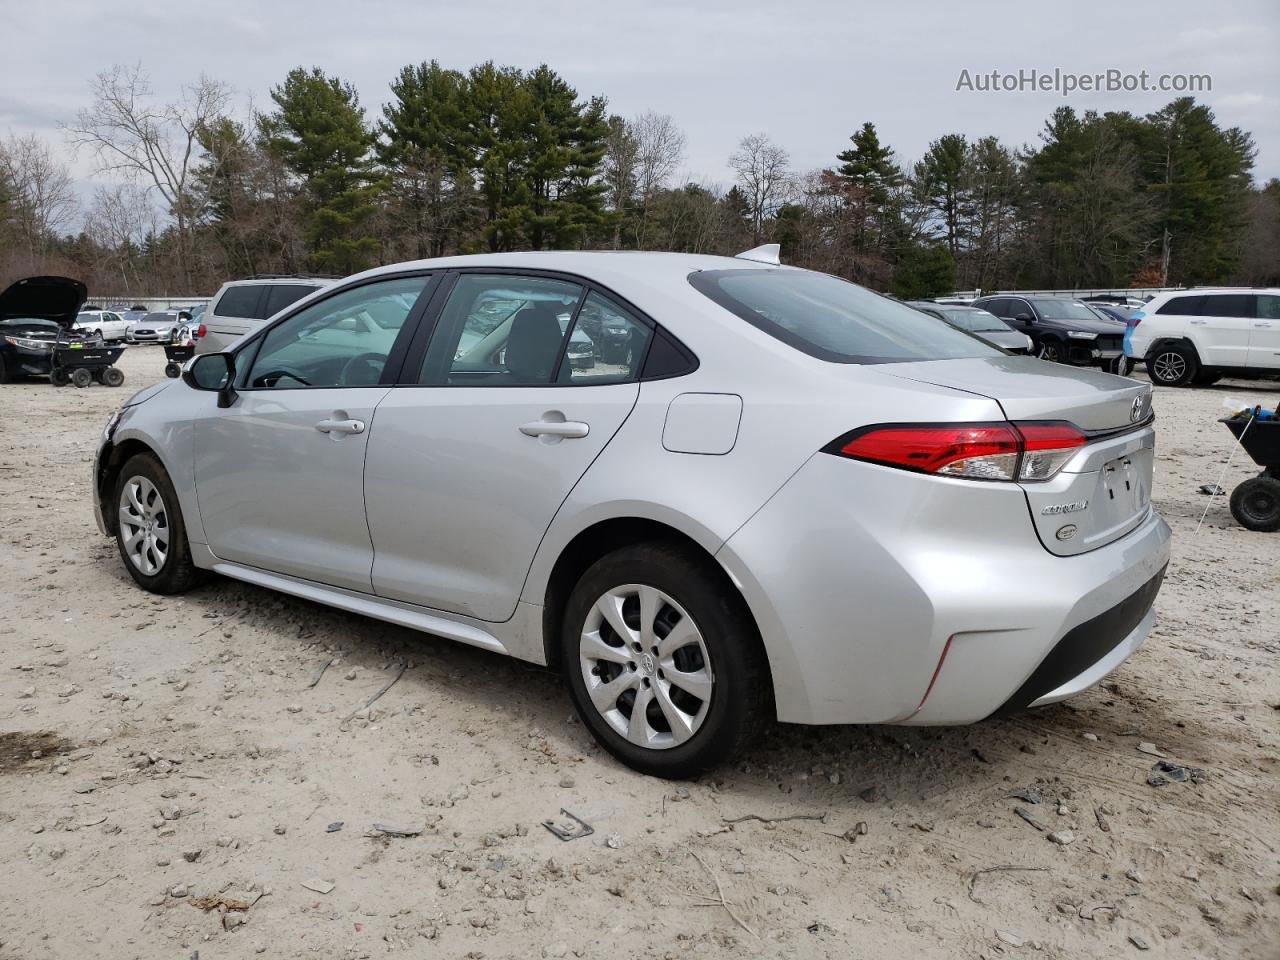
x=975, y=321
x=835, y=320
x=1064, y=310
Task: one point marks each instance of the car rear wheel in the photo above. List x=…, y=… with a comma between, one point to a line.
x=1256, y=504
x=150, y=534
x=663, y=664
x=1174, y=366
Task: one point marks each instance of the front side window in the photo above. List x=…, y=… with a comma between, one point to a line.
x=341, y=341
x=607, y=345
x=835, y=320
x=498, y=330
x=1182, y=307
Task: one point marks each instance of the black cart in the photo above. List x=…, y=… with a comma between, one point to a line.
x=1256, y=503
x=177, y=354
x=81, y=362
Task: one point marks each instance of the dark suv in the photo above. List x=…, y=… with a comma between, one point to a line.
x=1064, y=331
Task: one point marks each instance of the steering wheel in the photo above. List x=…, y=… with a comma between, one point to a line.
x=272, y=377
x=363, y=370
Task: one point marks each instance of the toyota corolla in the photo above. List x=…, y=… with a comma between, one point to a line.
x=788, y=497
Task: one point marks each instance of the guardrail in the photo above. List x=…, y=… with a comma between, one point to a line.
x=150, y=303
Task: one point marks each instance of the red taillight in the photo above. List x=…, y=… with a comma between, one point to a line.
x=201, y=330
x=979, y=451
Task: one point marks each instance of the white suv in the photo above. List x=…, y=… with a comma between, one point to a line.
x=1200, y=336
x=241, y=307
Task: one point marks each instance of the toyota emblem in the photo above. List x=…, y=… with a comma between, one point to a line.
x=1135, y=412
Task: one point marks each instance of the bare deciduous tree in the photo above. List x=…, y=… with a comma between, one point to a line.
x=762, y=172
x=131, y=134
x=41, y=196
x=119, y=221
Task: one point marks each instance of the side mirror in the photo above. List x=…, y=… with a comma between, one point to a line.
x=1025, y=317
x=213, y=371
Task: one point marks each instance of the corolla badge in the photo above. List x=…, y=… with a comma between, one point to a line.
x=1057, y=508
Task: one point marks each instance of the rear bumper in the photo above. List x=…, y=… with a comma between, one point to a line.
x=890, y=597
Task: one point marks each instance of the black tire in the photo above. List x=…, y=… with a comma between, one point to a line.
x=59, y=377
x=172, y=370
x=113, y=376
x=1256, y=504
x=4, y=370
x=739, y=701
x=81, y=377
x=1175, y=365
x=177, y=573
x=1053, y=350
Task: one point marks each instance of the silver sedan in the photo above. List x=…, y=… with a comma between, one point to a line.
x=745, y=492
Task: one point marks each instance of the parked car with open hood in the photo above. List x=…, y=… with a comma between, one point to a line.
x=790, y=497
x=979, y=322
x=33, y=312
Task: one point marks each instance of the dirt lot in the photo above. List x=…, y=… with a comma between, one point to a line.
x=163, y=755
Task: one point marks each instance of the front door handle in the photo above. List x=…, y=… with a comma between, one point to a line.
x=1262, y=323
x=563, y=429
x=341, y=426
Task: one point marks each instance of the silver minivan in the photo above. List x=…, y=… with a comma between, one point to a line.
x=241, y=307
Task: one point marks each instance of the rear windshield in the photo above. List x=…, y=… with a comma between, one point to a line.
x=835, y=320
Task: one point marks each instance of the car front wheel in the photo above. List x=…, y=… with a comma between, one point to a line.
x=664, y=666
x=150, y=534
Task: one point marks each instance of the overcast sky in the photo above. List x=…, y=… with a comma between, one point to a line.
x=806, y=73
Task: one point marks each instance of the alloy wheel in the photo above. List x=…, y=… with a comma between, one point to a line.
x=646, y=667
x=1170, y=367
x=144, y=525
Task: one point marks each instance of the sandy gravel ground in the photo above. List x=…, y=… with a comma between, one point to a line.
x=169, y=773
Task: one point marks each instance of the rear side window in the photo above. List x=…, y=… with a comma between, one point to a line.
x=1228, y=305
x=239, y=302
x=1182, y=307
x=281, y=295
x=1268, y=306
x=835, y=320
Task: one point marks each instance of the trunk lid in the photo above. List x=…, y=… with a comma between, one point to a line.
x=43, y=298
x=1031, y=389
x=1104, y=491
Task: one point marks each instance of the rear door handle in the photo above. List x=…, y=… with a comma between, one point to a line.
x=341, y=426
x=1262, y=323
x=564, y=429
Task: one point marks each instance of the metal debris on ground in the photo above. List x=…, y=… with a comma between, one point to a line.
x=217, y=902
x=571, y=829
x=1026, y=815
x=385, y=687
x=820, y=817
x=335, y=826
x=1211, y=490
x=1166, y=772
x=1029, y=794
x=390, y=831
x=320, y=673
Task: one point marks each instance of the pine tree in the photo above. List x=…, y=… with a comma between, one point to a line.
x=318, y=131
